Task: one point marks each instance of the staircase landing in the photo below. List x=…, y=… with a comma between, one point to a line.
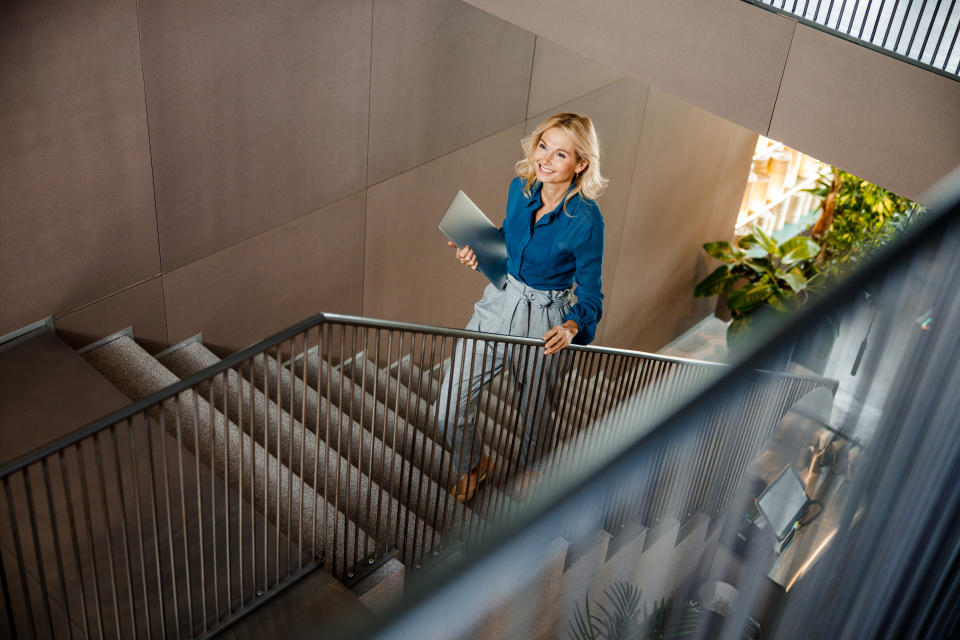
x=46, y=392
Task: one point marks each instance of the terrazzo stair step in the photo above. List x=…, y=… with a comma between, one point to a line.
x=503, y=447
x=501, y=442
x=419, y=448
x=137, y=375
x=388, y=390
x=417, y=491
x=425, y=382
x=302, y=453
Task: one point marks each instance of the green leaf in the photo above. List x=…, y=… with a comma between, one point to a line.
x=766, y=241
x=722, y=251
x=720, y=281
x=795, y=279
x=755, y=252
x=775, y=302
x=747, y=298
x=798, y=249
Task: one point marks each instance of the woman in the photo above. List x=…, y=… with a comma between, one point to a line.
x=554, y=236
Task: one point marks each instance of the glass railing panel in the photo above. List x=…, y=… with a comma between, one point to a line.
x=837, y=517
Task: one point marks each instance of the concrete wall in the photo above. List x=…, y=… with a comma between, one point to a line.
x=877, y=117
x=231, y=169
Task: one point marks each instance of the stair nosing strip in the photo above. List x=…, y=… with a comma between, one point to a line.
x=127, y=332
x=180, y=345
x=23, y=334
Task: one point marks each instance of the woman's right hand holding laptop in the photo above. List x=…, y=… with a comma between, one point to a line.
x=466, y=256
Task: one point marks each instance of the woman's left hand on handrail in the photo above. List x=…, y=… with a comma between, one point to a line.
x=559, y=337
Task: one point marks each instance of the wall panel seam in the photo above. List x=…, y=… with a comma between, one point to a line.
x=783, y=72
x=146, y=115
x=366, y=167
x=633, y=184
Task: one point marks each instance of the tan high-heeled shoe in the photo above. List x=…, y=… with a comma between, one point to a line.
x=466, y=487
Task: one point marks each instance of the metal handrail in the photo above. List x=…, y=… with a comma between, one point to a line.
x=313, y=321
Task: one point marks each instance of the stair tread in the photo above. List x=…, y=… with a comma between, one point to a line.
x=137, y=374
x=47, y=386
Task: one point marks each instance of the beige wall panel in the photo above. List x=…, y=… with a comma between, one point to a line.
x=560, y=74
x=884, y=120
x=410, y=274
x=444, y=75
x=725, y=56
x=258, y=114
x=690, y=171
x=140, y=306
x=267, y=283
x=617, y=113
x=76, y=198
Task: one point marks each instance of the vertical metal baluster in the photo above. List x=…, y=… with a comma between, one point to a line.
x=392, y=492
x=200, y=540
x=211, y=405
x=540, y=423
x=135, y=472
x=441, y=442
x=106, y=514
x=826, y=18
x=853, y=16
x=893, y=14
x=324, y=328
x=266, y=472
x=365, y=524
x=41, y=578
x=816, y=12
x=903, y=24
x=169, y=503
x=183, y=513
x=18, y=551
x=424, y=470
x=537, y=351
x=227, y=535
x=467, y=450
x=336, y=488
x=75, y=543
x=123, y=529
x=240, y=466
x=916, y=29
x=280, y=457
x=303, y=441
x=406, y=470
x=289, y=458
x=5, y=587
x=943, y=32
x=373, y=436
x=866, y=14
x=156, y=520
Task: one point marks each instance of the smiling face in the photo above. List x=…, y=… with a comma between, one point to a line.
x=555, y=157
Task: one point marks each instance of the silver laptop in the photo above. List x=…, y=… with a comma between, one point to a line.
x=465, y=224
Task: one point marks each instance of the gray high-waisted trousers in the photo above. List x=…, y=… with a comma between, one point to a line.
x=517, y=310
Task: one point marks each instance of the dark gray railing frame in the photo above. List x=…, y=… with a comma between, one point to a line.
x=789, y=13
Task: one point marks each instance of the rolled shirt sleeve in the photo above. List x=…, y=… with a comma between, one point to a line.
x=589, y=257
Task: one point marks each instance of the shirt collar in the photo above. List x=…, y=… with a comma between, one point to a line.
x=536, y=200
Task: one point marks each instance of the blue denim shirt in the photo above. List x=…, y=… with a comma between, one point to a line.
x=563, y=248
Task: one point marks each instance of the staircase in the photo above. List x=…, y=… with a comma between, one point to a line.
x=316, y=452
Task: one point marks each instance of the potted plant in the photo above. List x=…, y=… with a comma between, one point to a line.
x=779, y=272
x=623, y=617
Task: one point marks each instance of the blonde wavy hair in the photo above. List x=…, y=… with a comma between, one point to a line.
x=589, y=183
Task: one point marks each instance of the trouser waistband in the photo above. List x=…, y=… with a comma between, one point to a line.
x=540, y=297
